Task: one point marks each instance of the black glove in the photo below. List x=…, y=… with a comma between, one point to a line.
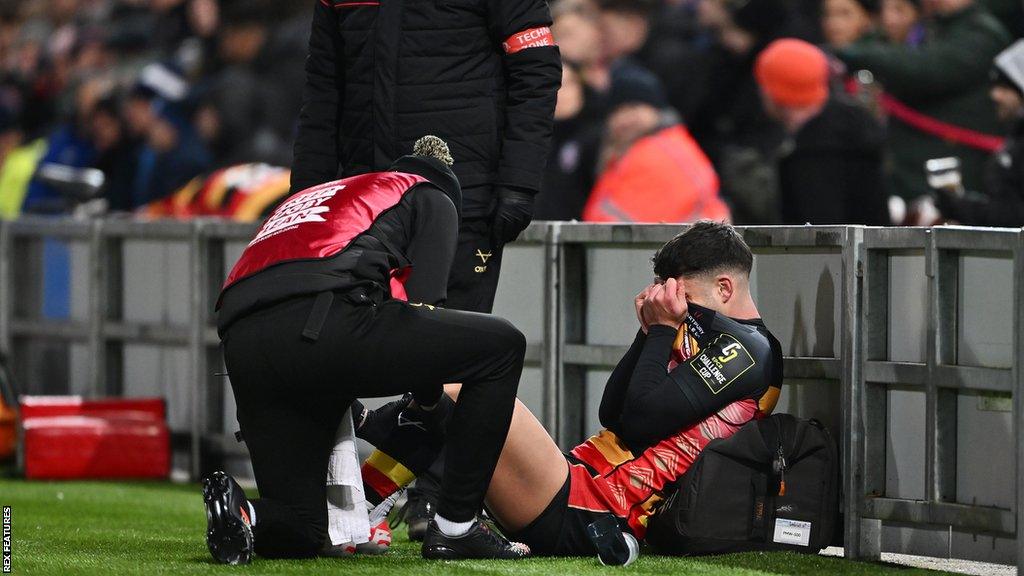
x=375, y=426
x=515, y=210
x=412, y=436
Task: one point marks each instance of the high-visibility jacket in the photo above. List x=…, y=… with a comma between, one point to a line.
x=664, y=177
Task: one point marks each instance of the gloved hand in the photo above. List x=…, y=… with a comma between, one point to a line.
x=513, y=215
x=375, y=426
x=409, y=434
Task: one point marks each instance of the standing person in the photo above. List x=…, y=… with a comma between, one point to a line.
x=481, y=74
x=314, y=315
x=652, y=170
x=830, y=166
x=1002, y=200
x=729, y=122
x=901, y=21
x=843, y=22
x=661, y=37
x=936, y=93
x=569, y=175
x=380, y=74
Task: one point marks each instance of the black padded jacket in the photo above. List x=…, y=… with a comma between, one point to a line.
x=381, y=74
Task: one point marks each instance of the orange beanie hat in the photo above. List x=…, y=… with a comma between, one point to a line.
x=793, y=73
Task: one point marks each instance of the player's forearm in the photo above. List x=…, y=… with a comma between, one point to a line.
x=618, y=383
x=649, y=373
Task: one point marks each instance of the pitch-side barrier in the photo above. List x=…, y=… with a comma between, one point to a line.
x=906, y=341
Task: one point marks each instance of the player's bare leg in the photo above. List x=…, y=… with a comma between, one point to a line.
x=530, y=471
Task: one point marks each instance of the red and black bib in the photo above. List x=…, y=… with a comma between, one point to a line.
x=321, y=221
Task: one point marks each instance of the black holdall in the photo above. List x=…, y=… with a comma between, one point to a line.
x=773, y=485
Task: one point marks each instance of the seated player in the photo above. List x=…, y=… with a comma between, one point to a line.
x=702, y=365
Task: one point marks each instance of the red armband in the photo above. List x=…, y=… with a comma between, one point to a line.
x=531, y=38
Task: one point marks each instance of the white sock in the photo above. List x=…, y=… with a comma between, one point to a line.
x=453, y=529
x=252, y=514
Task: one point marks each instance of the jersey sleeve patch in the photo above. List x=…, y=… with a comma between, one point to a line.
x=721, y=363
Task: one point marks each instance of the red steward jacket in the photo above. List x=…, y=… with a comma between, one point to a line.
x=664, y=177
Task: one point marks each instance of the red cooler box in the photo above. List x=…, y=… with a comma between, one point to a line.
x=70, y=437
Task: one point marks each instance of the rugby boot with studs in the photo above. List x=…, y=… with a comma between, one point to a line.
x=480, y=542
x=228, y=527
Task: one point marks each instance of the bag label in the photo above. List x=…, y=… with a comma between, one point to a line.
x=792, y=532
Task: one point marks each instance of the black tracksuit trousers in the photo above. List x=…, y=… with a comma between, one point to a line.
x=292, y=392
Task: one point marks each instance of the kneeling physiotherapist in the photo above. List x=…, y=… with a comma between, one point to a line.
x=314, y=315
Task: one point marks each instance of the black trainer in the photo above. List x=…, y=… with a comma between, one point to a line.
x=479, y=543
x=228, y=528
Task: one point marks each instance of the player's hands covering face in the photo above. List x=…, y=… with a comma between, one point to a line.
x=664, y=304
x=638, y=303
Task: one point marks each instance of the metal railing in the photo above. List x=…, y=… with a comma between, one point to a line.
x=940, y=376
x=566, y=351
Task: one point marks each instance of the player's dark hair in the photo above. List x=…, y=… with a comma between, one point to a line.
x=706, y=248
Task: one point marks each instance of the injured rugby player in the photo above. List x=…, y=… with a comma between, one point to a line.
x=702, y=364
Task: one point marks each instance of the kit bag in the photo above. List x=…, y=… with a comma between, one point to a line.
x=773, y=485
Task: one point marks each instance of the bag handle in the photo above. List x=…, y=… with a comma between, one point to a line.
x=759, y=512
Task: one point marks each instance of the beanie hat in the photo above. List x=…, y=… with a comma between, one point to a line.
x=432, y=160
x=634, y=84
x=793, y=73
x=433, y=147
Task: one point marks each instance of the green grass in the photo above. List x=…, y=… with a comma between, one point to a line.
x=66, y=528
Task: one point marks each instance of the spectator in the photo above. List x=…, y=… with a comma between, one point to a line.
x=937, y=105
x=252, y=95
x=569, y=174
x=730, y=122
x=576, y=27
x=116, y=154
x=660, y=37
x=1002, y=203
x=18, y=161
x=52, y=53
x=69, y=145
x=843, y=22
x=901, y=22
x=652, y=169
x=172, y=155
x=830, y=170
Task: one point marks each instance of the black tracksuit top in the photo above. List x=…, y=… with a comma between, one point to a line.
x=379, y=75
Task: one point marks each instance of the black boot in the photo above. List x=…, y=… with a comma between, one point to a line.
x=416, y=512
x=479, y=543
x=228, y=527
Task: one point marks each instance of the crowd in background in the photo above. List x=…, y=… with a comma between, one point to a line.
x=758, y=111
x=151, y=92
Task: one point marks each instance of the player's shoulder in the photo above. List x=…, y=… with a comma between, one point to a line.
x=752, y=335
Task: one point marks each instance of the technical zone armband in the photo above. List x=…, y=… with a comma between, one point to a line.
x=530, y=38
